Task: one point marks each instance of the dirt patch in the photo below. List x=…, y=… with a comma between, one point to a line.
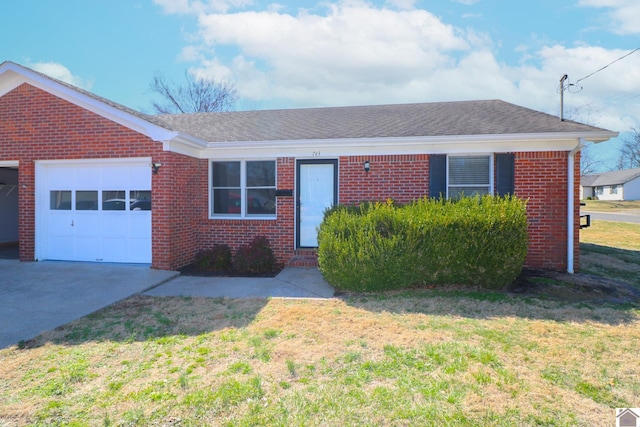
x=578, y=287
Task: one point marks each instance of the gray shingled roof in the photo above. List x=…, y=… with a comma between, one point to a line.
x=489, y=117
x=610, y=178
x=460, y=118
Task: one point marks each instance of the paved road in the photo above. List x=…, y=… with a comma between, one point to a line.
x=624, y=216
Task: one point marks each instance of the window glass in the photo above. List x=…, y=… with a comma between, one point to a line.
x=60, y=200
x=261, y=174
x=114, y=200
x=140, y=200
x=469, y=175
x=226, y=174
x=244, y=188
x=261, y=201
x=86, y=200
x=226, y=201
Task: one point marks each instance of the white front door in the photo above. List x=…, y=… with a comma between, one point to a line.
x=317, y=191
x=94, y=210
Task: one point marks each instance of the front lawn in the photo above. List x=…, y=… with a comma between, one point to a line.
x=415, y=358
x=561, y=356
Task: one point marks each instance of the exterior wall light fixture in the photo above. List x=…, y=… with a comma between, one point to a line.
x=367, y=166
x=155, y=167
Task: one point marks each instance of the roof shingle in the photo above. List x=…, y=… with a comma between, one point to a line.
x=488, y=117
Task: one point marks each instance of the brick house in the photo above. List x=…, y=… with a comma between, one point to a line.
x=98, y=181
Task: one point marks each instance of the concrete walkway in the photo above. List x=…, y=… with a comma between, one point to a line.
x=290, y=283
x=40, y=296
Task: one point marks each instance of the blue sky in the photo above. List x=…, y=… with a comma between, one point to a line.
x=286, y=54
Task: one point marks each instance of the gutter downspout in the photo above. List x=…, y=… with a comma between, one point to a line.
x=571, y=205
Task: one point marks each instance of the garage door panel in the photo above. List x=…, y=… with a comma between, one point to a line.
x=98, y=224
x=114, y=225
x=87, y=249
x=139, y=250
x=140, y=225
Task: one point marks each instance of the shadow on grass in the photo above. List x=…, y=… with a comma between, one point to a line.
x=601, y=294
x=146, y=318
x=614, y=263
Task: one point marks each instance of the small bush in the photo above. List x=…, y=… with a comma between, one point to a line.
x=256, y=257
x=478, y=241
x=218, y=258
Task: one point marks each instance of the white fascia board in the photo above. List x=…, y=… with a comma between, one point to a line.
x=185, y=144
x=96, y=161
x=9, y=163
x=410, y=145
x=12, y=76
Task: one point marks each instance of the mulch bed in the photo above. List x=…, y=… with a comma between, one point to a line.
x=193, y=270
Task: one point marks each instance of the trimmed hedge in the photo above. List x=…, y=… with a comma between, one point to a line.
x=475, y=241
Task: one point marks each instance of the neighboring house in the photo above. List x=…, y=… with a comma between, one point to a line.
x=82, y=161
x=616, y=185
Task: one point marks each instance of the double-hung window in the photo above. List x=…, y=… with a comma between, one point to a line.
x=469, y=175
x=244, y=189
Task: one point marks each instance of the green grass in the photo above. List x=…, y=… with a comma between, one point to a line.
x=406, y=359
x=444, y=356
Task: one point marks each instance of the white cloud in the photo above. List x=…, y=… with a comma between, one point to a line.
x=467, y=2
x=401, y=4
x=604, y=99
x=353, y=53
x=60, y=72
x=623, y=15
x=184, y=7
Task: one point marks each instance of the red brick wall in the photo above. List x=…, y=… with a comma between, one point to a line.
x=35, y=125
x=541, y=177
x=179, y=206
x=400, y=177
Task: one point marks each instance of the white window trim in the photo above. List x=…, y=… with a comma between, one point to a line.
x=491, y=170
x=243, y=190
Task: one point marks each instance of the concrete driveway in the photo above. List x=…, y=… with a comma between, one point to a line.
x=39, y=296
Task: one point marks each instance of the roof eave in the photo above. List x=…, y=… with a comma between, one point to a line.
x=559, y=141
x=13, y=75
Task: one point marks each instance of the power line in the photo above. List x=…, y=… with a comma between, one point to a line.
x=611, y=63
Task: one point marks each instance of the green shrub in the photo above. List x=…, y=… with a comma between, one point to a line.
x=478, y=241
x=256, y=257
x=218, y=258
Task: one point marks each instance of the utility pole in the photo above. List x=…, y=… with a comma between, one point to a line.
x=562, y=80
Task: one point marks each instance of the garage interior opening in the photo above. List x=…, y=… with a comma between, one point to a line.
x=9, y=213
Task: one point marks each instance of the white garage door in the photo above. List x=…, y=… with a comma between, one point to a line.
x=94, y=211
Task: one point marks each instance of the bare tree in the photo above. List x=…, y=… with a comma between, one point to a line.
x=629, y=156
x=194, y=96
x=588, y=164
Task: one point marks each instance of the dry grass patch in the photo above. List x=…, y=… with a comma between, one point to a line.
x=421, y=358
x=610, y=205
x=620, y=235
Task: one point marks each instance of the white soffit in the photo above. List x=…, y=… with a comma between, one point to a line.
x=391, y=146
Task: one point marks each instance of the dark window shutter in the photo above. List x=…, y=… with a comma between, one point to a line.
x=504, y=173
x=437, y=175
